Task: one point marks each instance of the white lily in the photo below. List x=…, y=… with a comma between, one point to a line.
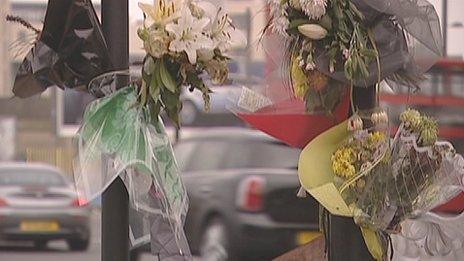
x=313, y=31
x=221, y=29
x=188, y=35
x=162, y=13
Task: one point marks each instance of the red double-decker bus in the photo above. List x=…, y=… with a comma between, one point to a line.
x=441, y=96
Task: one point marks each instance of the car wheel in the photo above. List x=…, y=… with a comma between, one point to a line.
x=189, y=113
x=78, y=244
x=214, y=245
x=40, y=244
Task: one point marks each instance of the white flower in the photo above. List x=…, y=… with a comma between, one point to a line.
x=355, y=123
x=188, y=35
x=295, y=4
x=164, y=12
x=313, y=31
x=310, y=66
x=221, y=29
x=278, y=13
x=157, y=43
x=315, y=9
x=346, y=53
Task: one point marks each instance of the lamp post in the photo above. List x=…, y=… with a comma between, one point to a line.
x=115, y=201
x=346, y=242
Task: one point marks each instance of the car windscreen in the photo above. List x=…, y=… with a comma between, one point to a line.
x=30, y=177
x=234, y=154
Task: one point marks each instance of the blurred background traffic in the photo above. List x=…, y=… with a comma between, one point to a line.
x=242, y=184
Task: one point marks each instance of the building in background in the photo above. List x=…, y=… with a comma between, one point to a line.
x=4, y=56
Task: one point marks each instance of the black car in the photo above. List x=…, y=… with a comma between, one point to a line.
x=242, y=187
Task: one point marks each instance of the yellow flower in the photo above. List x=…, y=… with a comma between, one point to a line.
x=428, y=131
x=344, y=169
x=300, y=81
x=342, y=163
x=376, y=138
x=411, y=119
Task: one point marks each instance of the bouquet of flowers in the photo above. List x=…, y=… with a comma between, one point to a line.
x=384, y=185
x=424, y=171
x=183, y=40
x=332, y=44
x=359, y=165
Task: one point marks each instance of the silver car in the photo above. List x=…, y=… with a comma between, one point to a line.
x=38, y=204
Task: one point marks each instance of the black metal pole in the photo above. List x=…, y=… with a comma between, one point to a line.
x=115, y=201
x=444, y=25
x=345, y=239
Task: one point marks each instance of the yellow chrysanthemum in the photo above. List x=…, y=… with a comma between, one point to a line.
x=342, y=162
x=344, y=169
x=428, y=131
x=411, y=119
x=376, y=138
x=300, y=81
x=346, y=154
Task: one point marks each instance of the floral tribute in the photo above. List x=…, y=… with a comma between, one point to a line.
x=332, y=44
x=385, y=182
x=183, y=40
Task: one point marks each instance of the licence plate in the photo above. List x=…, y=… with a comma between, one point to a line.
x=40, y=226
x=306, y=237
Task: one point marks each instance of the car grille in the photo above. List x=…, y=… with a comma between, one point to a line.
x=284, y=206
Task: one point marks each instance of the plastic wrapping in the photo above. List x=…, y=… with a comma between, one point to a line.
x=424, y=177
x=431, y=234
x=272, y=107
x=71, y=50
x=308, y=77
x=410, y=48
x=403, y=182
x=118, y=138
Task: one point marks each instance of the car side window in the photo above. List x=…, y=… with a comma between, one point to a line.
x=201, y=155
x=209, y=155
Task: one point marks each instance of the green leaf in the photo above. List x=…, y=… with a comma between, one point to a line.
x=356, y=11
x=149, y=65
x=348, y=69
x=369, y=53
x=155, y=89
x=143, y=93
x=166, y=78
x=326, y=22
x=338, y=12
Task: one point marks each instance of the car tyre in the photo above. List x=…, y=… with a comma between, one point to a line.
x=78, y=244
x=215, y=243
x=189, y=113
x=40, y=244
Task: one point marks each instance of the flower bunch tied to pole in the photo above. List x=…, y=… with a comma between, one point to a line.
x=183, y=39
x=382, y=182
x=334, y=44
